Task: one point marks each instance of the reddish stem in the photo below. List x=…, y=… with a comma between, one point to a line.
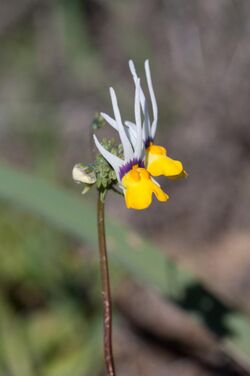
x=107, y=305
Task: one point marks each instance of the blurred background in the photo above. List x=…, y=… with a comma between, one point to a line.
x=57, y=61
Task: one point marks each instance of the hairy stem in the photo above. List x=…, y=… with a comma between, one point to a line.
x=107, y=306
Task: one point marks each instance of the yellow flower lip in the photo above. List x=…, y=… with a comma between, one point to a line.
x=139, y=188
x=156, y=149
x=158, y=163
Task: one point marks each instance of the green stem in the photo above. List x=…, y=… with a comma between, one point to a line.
x=107, y=306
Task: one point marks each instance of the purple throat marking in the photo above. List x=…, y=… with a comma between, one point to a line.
x=128, y=166
x=148, y=142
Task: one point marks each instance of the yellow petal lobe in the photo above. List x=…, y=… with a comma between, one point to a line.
x=158, y=163
x=139, y=188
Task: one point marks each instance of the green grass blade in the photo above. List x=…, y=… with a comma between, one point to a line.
x=76, y=216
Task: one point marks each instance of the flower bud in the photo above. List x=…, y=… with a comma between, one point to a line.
x=84, y=174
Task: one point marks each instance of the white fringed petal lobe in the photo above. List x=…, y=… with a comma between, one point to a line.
x=153, y=99
x=149, y=129
x=127, y=147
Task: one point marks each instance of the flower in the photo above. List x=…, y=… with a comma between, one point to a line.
x=84, y=174
x=157, y=161
x=135, y=181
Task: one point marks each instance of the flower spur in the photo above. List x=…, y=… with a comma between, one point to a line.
x=157, y=161
x=134, y=180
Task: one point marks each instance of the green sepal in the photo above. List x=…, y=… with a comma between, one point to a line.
x=98, y=122
x=105, y=175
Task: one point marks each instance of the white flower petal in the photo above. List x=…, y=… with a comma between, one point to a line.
x=135, y=77
x=153, y=100
x=109, y=120
x=131, y=131
x=138, y=145
x=146, y=125
x=131, y=125
x=130, y=134
x=112, y=159
x=127, y=148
